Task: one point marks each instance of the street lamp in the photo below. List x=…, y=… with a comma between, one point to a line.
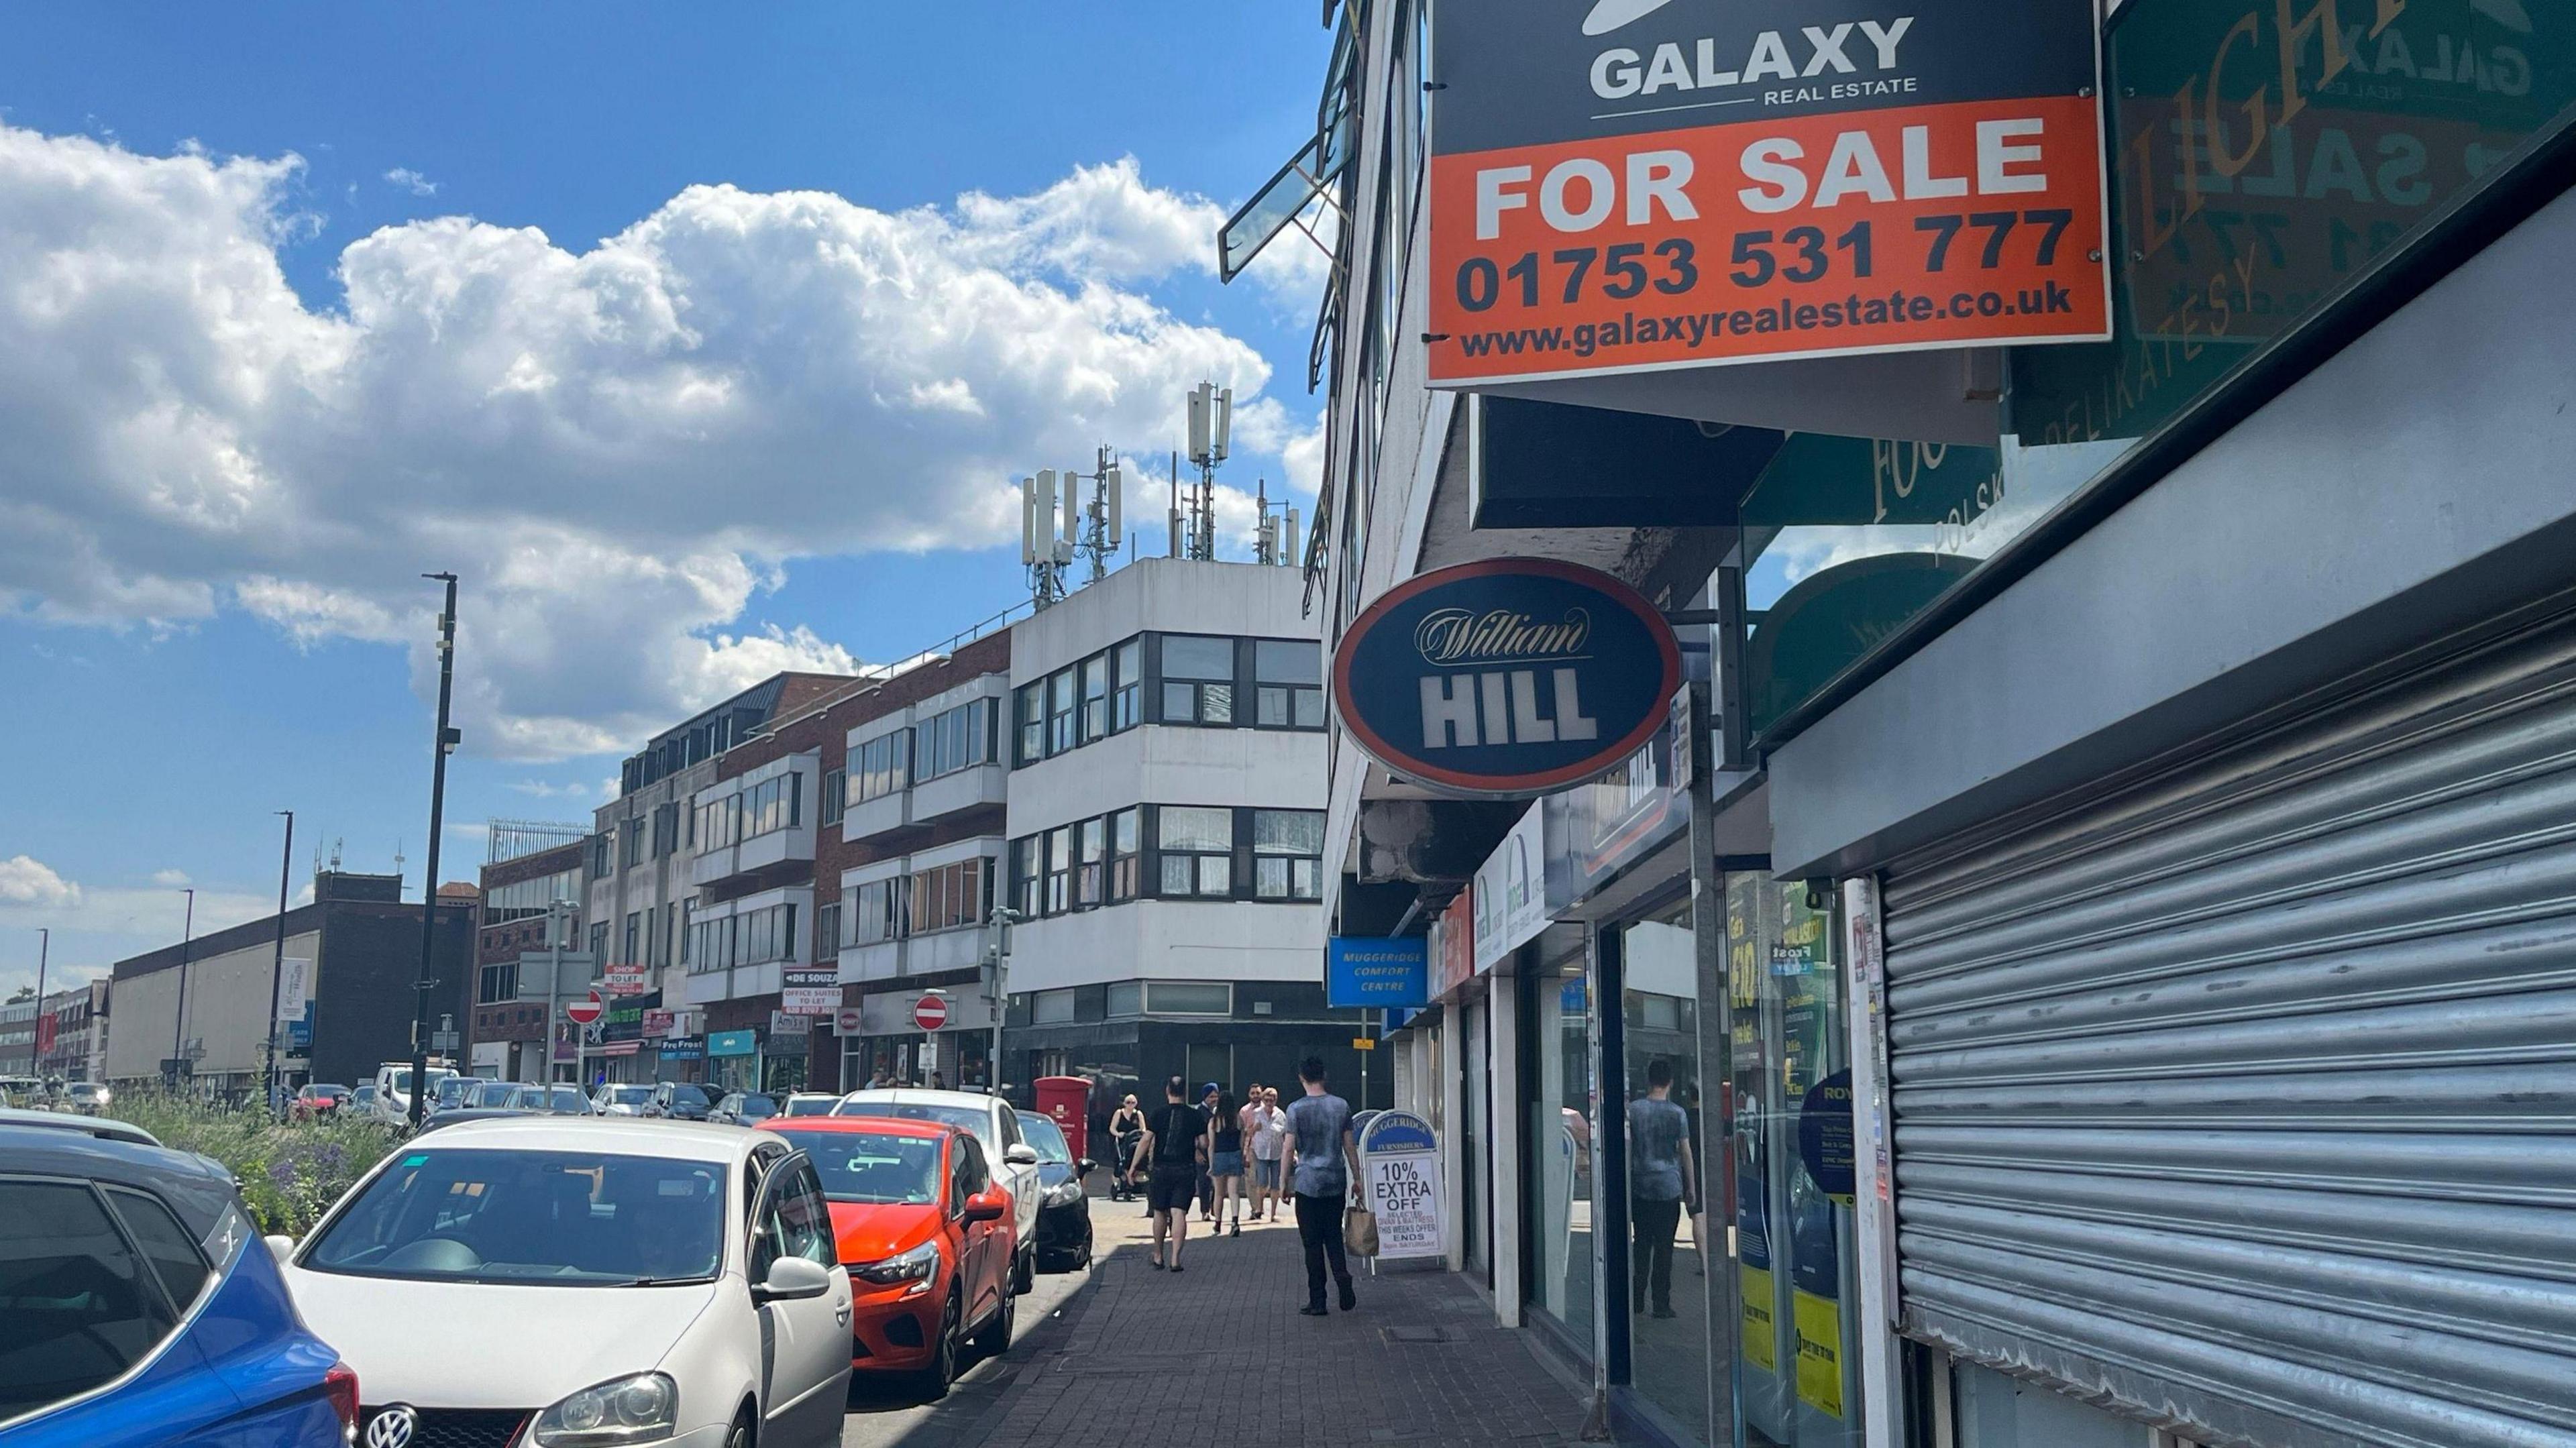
x=557, y=913
x=44, y=950
x=997, y=955
x=277, y=966
x=445, y=740
x=179, y=1012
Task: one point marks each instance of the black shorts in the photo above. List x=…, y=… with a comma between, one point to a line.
x=1172, y=1187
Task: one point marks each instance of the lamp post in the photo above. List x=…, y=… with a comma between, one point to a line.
x=997, y=954
x=277, y=965
x=557, y=912
x=44, y=949
x=445, y=740
x=179, y=1011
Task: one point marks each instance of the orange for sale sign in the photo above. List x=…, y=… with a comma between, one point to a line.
x=1684, y=183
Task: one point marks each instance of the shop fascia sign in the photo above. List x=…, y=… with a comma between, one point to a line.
x=1506, y=677
x=1510, y=891
x=1631, y=186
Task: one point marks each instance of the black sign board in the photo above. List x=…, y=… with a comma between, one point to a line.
x=1506, y=676
x=1553, y=465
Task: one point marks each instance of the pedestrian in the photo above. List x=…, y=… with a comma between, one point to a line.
x=1266, y=1128
x=1208, y=1095
x=1127, y=1129
x=1322, y=1162
x=1177, y=1141
x=879, y=1078
x=1225, y=1158
x=1659, y=1175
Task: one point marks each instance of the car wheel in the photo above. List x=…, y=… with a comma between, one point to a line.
x=995, y=1339
x=739, y=1435
x=942, y=1368
x=1024, y=1274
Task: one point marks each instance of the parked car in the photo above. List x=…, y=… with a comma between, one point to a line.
x=621, y=1100
x=25, y=1092
x=486, y=1095
x=393, y=1088
x=362, y=1102
x=561, y=1099
x=808, y=1103
x=142, y=1310
x=743, y=1108
x=926, y=1235
x=1064, y=1209
x=710, y=1251
x=452, y=1092
x=997, y=1129
x=97, y=1126
x=678, y=1101
x=312, y=1103
x=89, y=1098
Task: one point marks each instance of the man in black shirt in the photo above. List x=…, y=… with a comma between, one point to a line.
x=1176, y=1143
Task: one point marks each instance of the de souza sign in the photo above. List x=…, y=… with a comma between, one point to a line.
x=1506, y=676
x=1626, y=185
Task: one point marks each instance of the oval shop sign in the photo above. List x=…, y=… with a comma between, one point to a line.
x=1506, y=676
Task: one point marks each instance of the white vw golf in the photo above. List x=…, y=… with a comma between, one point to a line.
x=545, y=1282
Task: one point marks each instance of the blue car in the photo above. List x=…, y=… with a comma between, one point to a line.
x=138, y=1306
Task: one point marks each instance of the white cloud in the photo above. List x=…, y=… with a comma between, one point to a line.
x=28, y=881
x=412, y=181
x=617, y=448
x=544, y=789
x=170, y=879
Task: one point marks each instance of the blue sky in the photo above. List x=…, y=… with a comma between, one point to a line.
x=293, y=338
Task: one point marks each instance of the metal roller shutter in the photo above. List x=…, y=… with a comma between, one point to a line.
x=2242, y=1098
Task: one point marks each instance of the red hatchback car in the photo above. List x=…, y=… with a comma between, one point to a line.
x=926, y=1234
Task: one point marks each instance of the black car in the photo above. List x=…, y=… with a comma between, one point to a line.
x=1064, y=1209
x=744, y=1108
x=679, y=1101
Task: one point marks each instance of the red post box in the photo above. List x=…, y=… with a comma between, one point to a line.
x=1066, y=1101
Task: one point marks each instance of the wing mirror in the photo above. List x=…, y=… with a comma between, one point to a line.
x=280, y=1248
x=792, y=1279
x=1085, y=1167
x=989, y=1205
x=1020, y=1154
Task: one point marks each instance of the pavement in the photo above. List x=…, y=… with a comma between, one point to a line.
x=1218, y=1354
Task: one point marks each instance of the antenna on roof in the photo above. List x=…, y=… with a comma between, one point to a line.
x=1061, y=520
x=1211, y=429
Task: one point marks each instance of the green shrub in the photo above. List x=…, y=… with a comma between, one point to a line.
x=289, y=1173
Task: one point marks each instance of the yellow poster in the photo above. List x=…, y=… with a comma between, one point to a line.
x=1761, y=1325
x=1820, y=1352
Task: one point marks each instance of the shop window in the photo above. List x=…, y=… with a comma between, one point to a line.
x=1198, y=680
x=1197, y=846
x=1126, y=998
x=1189, y=998
x=1051, y=1007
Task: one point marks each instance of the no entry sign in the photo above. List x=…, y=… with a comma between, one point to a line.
x=1643, y=184
x=583, y=1012
x=930, y=1012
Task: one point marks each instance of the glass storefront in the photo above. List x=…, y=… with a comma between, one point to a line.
x=1668, y=1332
x=914, y=1059
x=1557, y=1147
x=1796, y=1354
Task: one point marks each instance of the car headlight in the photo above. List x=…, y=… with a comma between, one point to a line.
x=1064, y=1193
x=639, y=1409
x=917, y=1266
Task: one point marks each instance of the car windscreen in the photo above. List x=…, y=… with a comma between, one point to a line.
x=629, y=1095
x=864, y=1166
x=1048, y=1138
x=974, y=1118
x=494, y=1093
x=569, y=1100
x=811, y=1105
x=544, y=1218
x=685, y=1095
x=453, y=1089
x=398, y=1081
x=753, y=1108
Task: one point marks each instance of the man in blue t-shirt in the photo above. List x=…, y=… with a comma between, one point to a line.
x=1322, y=1161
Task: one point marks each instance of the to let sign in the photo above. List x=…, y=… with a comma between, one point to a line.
x=1630, y=185
x=1507, y=676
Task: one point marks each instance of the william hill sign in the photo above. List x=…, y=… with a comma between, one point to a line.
x=1507, y=676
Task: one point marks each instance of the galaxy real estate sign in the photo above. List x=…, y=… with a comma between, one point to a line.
x=1627, y=185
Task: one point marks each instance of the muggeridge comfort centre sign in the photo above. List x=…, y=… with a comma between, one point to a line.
x=1625, y=185
x=1507, y=676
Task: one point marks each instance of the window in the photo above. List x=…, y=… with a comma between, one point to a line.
x=1059, y=869
x=1051, y=1007
x=827, y=928
x=83, y=1310
x=630, y=842
x=496, y=983
x=170, y=1248
x=772, y=804
x=1024, y=876
x=1032, y=716
x=1288, y=854
x=1095, y=697
x=1126, y=698
x=1060, y=736
x=949, y=897
x=1126, y=998
x=883, y=763
x=1090, y=861
x=528, y=899
x=954, y=739
x=687, y=909
x=836, y=795
x=1198, y=850
x=719, y=822
x=881, y=910
x=599, y=854
x=1198, y=680
x=1288, y=684
x=599, y=941
x=1189, y=998
x=1125, y=853
x=634, y=926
